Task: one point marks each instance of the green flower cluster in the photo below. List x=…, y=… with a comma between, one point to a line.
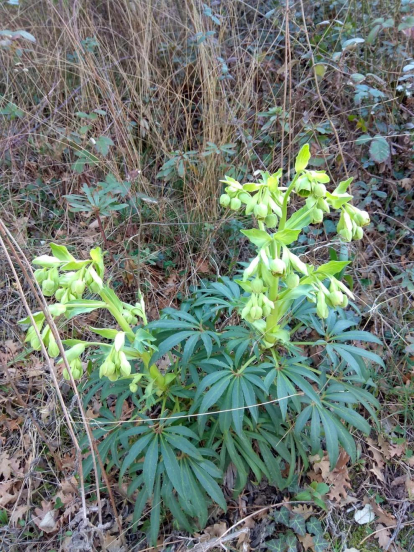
x=265, y=204
x=276, y=276
x=116, y=364
x=73, y=357
x=77, y=275
x=45, y=332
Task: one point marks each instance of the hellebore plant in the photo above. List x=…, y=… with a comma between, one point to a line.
x=244, y=398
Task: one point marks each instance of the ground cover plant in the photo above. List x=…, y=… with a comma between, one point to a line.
x=246, y=395
x=118, y=123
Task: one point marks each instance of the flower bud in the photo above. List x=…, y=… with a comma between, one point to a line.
x=76, y=368
x=345, y=302
x=358, y=233
x=361, y=217
x=78, y=287
x=251, y=269
x=49, y=287
x=53, y=348
x=266, y=310
x=319, y=190
x=235, y=204
x=59, y=294
x=303, y=186
x=35, y=343
x=292, y=280
x=133, y=387
x=75, y=352
x=277, y=267
x=125, y=366
x=317, y=216
x=66, y=374
x=232, y=191
x=346, y=234
x=256, y=312
x=336, y=298
x=271, y=221
x=94, y=287
x=40, y=274
x=321, y=307
x=257, y=285
x=245, y=197
x=260, y=210
x=323, y=205
x=225, y=200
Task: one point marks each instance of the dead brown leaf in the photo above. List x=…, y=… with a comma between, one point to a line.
x=383, y=517
x=18, y=514
x=383, y=536
x=338, y=478
x=304, y=510
x=307, y=542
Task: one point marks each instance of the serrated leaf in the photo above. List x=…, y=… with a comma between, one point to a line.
x=379, y=149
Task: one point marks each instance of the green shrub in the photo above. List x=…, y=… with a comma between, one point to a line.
x=244, y=393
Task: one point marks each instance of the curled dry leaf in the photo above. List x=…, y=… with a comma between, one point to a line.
x=383, y=536
x=45, y=517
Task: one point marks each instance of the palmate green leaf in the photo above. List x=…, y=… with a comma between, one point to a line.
x=315, y=430
x=209, y=485
x=215, y=392
x=331, y=437
x=352, y=417
x=171, y=466
x=155, y=519
x=237, y=405
x=139, y=506
x=151, y=463
x=195, y=496
x=183, y=444
x=362, y=353
x=357, y=335
x=135, y=451
x=169, y=344
x=176, y=510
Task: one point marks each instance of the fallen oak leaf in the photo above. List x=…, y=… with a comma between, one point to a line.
x=307, y=542
x=18, y=514
x=383, y=536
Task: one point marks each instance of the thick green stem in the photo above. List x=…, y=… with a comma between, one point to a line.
x=285, y=202
x=116, y=313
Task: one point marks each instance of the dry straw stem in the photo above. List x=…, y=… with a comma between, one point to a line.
x=22, y=261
